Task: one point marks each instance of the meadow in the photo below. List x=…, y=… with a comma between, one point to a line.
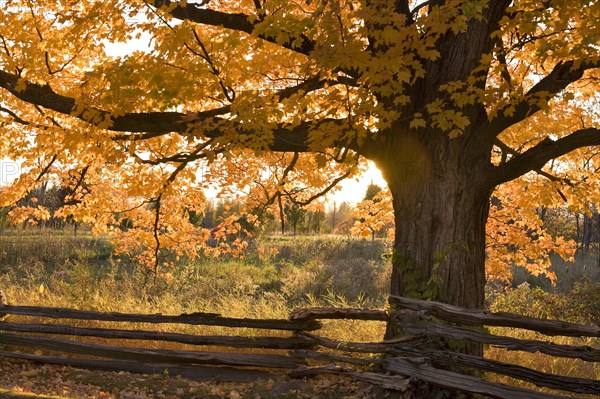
x=55, y=268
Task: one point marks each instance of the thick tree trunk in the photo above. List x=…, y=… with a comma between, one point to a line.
x=441, y=205
x=439, y=248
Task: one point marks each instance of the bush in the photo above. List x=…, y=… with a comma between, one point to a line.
x=581, y=305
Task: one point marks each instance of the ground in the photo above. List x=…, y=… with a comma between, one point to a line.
x=26, y=380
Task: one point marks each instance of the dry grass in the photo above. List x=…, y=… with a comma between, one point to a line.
x=58, y=270
x=79, y=272
x=579, y=306
x=541, y=362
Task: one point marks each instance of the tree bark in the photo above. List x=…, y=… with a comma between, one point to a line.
x=441, y=204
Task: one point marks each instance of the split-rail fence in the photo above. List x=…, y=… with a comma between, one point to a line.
x=302, y=353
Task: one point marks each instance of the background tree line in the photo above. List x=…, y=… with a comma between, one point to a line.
x=333, y=217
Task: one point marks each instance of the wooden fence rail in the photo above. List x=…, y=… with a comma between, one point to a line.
x=199, y=318
x=469, y=317
x=303, y=352
x=428, y=328
x=208, y=340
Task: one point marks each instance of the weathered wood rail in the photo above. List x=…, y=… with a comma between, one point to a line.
x=303, y=352
x=198, y=318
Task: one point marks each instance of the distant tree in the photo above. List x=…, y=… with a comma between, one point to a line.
x=315, y=221
x=370, y=214
x=295, y=215
x=374, y=214
x=208, y=217
x=45, y=202
x=341, y=218
x=560, y=222
x=372, y=191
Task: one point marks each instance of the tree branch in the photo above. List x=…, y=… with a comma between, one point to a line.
x=46, y=168
x=154, y=124
x=235, y=21
x=536, y=157
x=508, y=150
x=563, y=74
x=155, y=227
x=17, y=119
x=501, y=55
x=327, y=189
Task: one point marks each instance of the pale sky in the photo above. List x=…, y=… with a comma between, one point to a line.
x=353, y=190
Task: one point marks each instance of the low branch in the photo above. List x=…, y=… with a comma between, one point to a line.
x=536, y=157
x=508, y=150
x=17, y=119
x=46, y=168
x=323, y=192
x=154, y=124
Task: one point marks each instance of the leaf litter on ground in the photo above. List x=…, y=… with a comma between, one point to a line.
x=23, y=379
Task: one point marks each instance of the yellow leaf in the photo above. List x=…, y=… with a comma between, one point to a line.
x=418, y=123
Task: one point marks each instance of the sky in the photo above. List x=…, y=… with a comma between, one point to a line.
x=353, y=190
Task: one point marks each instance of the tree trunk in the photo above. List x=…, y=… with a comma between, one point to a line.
x=441, y=205
x=281, y=215
x=577, y=232
x=587, y=233
x=598, y=237
x=439, y=247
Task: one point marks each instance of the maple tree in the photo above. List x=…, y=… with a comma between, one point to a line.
x=374, y=213
x=450, y=98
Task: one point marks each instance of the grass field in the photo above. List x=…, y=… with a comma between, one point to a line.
x=56, y=269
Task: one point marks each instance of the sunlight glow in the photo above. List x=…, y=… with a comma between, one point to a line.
x=353, y=190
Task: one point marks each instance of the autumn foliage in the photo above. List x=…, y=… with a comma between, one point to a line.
x=476, y=111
